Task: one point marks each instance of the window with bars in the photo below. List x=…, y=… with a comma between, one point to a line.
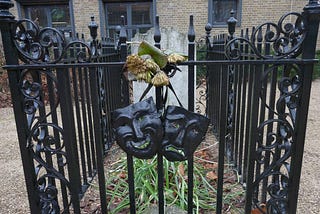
x=48, y=14
x=219, y=11
x=138, y=18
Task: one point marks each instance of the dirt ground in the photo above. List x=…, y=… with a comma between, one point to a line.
x=13, y=197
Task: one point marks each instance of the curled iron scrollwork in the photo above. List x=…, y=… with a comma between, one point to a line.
x=45, y=139
x=278, y=152
x=47, y=45
x=288, y=87
x=275, y=138
x=201, y=97
x=285, y=38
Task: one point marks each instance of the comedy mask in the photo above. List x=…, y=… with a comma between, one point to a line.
x=138, y=129
x=184, y=131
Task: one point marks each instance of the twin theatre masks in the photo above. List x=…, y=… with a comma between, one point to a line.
x=142, y=132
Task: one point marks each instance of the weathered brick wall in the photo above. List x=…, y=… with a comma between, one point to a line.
x=175, y=13
x=83, y=10
x=256, y=12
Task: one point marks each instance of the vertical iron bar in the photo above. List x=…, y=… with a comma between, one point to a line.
x=123, y=56
x=190, y=184
x=191, y=72
x=261, y=112
x=249, y=81
x=90, y=152
x=238, y=154
x=54, y=118
x=109, y=103
x=232, y=21
x=94, y=90
x=272, y=94
x=157, y=39
x=79, y=126
x=191, y=88
x=208, y=111
x=69, y=136
x=254, y=113
x=159, y=104
x=235, y=115
x=84, y=99
x=106, y=73
x=160, y=182
x=272, y=98
x=311, y=13
x=222, y=134
x=242, y=160
x=131, y=184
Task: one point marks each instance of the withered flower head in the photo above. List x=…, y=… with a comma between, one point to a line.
x=160, y=79
x=152, y=65
x=176, y=58
x=136, y=64
x=144, y=76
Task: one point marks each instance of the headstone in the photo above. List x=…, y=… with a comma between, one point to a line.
x=170, y=40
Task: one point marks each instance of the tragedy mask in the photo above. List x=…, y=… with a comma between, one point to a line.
x=138, y=128
x=184, y=131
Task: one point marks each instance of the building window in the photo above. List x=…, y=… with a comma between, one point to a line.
x=138, y=18
x=57, y=15
x=219, y=11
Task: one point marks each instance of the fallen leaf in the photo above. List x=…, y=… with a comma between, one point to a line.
x=261, y=210
x=212, y=176
x=122, y=175
x=181, y=169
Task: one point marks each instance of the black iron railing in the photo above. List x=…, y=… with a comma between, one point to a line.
x=260, y=103
x=257, y=96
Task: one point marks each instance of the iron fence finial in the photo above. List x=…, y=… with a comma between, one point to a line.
x=93, y=27
x=123, y=32
x=157, y=33
x=191, y=33
x=232, y=21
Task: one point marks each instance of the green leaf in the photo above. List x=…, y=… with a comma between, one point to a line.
x=157, y=55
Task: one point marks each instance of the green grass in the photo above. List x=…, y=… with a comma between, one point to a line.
x=175, y=187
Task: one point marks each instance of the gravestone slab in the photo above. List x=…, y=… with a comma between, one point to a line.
x=170, y=40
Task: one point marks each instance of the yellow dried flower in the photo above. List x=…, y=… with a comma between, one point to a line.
x=176, y=58
x=152, y=66
x=144, y=76
x=135, y=64
x=160, y=79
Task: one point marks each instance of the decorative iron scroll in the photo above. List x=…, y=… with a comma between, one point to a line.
x=275, y=140
x=230, y=114
x=47, y=45
x=285, y=37
x=201, y=98
x=44, y=139
x=201, y=88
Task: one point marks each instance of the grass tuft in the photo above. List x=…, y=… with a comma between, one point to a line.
x=175, y=187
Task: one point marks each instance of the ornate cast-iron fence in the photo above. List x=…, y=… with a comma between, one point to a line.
x=257, y=97
x=264, y=94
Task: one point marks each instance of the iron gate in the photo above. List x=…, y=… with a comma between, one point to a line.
x=257, y=97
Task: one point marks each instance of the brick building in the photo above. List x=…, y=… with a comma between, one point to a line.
x=74, y=15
